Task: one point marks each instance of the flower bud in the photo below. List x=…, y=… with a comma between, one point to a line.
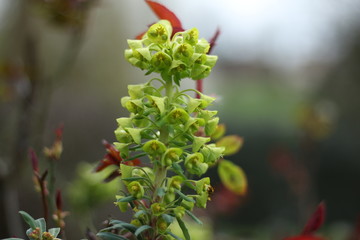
x=136, y=190
x=187, y=205
x=47, y=236
x=136, y=222
x=179, y=212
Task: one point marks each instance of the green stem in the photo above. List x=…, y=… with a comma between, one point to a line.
x=161, y=171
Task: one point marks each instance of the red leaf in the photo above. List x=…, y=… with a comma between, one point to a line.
x=103, y=164
x=112, y=176
x=304, y=238
x=34, y=161
x=59, y=132
x=164, y=13
x=213, y=39
x=316, y=220
x=135, y=162
x=58, y=200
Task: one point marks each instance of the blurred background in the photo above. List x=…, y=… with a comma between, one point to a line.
x=287, y=81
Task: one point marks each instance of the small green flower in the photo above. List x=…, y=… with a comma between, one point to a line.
x=212, y=153
x=183, y=52
x=160, y=32
x=171, y=155
x=211, y=126
x=136, y=190
x=194, y=164
x=161, y=61
x=203, y=189
x=191, y=36
x=154, y=147
x=178, y=115
x=157, y=208
x=175, y=183
x=162, y=225
x=136, y=222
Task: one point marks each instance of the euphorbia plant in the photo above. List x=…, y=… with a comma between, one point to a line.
x=171, y=128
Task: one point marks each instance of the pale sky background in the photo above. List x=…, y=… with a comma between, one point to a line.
x=282, y=32
x=285, y=33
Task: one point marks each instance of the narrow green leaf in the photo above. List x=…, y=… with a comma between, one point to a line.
x=160, y=192
x=173, y=235
x=54, y=231
x=13, y=239
x=184, y=229
x=40, y=223
x=28, y=219
x=128, y=226
x=178, y=170
x=193, y=217
x=110, y=236
x=169, y=219
x=183, y=196
x=130, y=179
x=126, y=199
x=142, y=229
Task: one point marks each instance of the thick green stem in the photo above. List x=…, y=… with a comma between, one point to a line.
x=161, y=171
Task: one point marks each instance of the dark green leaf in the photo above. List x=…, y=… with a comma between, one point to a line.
x=184, y=229
x=126, y=199
x=142, y=229
x=183, y=196
x=13, y=239
x=139, y=213
x=128, y=226
x=130, y=179
x=169, y=219
x=193, y=217
x=28, y=219
x=160, y=192
x=110, y=236
x=173, y=235
x=178, y=170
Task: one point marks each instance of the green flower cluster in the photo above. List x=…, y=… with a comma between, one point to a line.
x=182, y=56
x=173, y=130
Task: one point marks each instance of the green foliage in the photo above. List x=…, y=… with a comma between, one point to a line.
x=88, y=191
x=37, y=230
